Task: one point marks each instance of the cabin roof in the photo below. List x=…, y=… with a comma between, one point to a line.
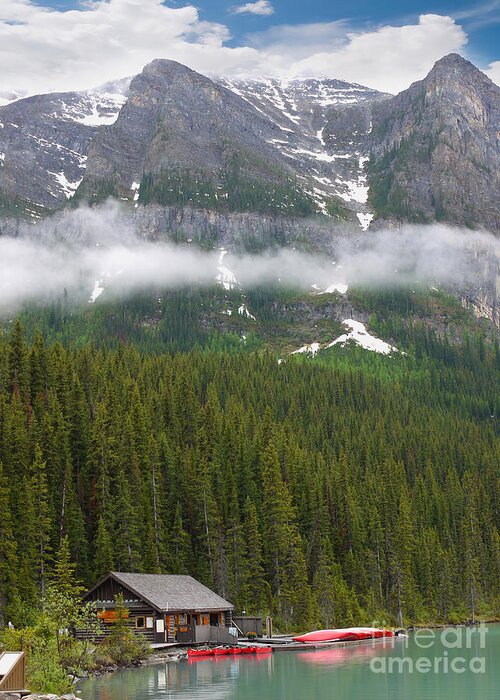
x=170, y=592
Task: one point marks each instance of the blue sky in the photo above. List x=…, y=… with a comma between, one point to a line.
x=48, y=45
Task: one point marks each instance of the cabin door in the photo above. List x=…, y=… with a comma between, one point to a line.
x=214, y=619
x=160, y=635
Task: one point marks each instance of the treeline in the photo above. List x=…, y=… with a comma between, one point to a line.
x=232, y=189
x=322, y=493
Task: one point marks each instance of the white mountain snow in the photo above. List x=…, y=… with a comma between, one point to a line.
x=357, y=334
x=302, y=109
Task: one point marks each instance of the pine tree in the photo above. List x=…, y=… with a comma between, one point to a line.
x=471, y=538
x=18, y=361
x=255, y=592
x=126, y=542
x=401, y=558
x=63, y=596
x=180, y=545
x=285, y=556
x=8, y=555
x=40, y=527
x=104, y=556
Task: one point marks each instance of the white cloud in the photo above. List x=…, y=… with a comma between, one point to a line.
x=47, y=49
x=493, y=72
x=261, y=7
x=387, y=58
x=296, y=41
x=43, y=49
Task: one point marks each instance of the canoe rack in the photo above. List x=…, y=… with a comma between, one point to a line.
x=13, y=672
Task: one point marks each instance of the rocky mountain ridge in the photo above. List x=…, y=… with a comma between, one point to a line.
x=436, y=149
x=44, y=142
x=263, y=163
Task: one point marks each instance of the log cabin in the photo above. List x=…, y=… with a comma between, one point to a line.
x=165, y=608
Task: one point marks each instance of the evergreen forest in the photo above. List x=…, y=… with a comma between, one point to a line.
x=345, y=489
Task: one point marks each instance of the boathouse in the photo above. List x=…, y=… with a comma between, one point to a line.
x=164, y=608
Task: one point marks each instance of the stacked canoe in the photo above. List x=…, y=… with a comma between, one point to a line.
x=227, y=651
x=347, y=634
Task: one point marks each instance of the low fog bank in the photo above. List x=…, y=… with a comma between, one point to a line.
x=100, y=245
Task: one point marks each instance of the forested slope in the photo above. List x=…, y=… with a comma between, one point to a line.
x=327, y=491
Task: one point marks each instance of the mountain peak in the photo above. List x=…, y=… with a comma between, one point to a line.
x=438, y=156
x=455, y=65
x=166, y=67
x=454, y=59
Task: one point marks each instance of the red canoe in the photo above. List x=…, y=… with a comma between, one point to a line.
x=227, y=651
x=200, y=652
x=347, y=634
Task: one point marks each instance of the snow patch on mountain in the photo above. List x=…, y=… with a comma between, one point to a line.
x=135, y=187
x=359, y=335
x=339, y=287
x=67, y=187
x=355, y=190
x=225, y=277
x=243, y=311
x=96, y=292
x=365, y=220
x=104, y=281
x=321, y=156
x=311, y=349
x=94, y=109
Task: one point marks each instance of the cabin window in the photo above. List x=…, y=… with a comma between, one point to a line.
x=149, y=623
x=140, y=622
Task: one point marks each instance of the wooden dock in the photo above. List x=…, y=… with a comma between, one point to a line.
x=287, y=643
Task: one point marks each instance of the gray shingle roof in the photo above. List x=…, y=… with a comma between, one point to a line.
x=173, y=592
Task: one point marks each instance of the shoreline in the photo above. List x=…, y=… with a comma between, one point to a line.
x=174, y=656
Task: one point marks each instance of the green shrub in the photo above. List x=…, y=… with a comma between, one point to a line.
x=45, y=673
x=18, y=639
x=123, y=646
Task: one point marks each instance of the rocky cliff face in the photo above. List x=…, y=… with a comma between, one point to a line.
x=181, y=145
x=326, y=126
x=44, y=142
x=483, y=297
x=178, y=119
x=310, y=136
x=436, y=149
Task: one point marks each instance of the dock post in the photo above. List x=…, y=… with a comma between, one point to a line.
x=269, y=627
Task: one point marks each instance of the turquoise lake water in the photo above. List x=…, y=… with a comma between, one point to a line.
x=416, y=668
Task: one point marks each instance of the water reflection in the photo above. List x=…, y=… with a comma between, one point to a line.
x=340, y=656
x=342, y=673
x=213, y=677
